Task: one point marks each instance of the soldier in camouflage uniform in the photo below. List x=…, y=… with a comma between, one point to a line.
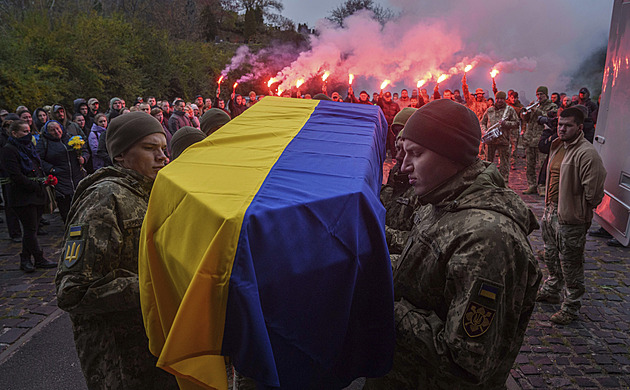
x=515, y=134
x=397, y=195
x=478, y=104
x=504, y=114
x=466, y=282
x=97, y=277
x=532, y=136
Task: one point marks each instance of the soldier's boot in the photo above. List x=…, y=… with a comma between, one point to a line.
x=548, y=297
x=26, y=264
x=42, y=262
x=531, y=190
x=563, y=317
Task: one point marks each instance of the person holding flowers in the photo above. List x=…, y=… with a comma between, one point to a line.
x=63, y=157
x=25, y=191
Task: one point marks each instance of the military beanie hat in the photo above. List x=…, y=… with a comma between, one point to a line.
x=212, y=120
x=500, y=95
x=183, y=138
x=402, y=117
x=125, y=130
x=447, y=128
x=543, y=89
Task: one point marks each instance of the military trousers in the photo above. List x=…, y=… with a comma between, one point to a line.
x=514, y=136
x=564, y=257
x=533, y=157
x=504, y=159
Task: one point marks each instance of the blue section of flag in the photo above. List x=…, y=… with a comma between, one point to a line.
x=310, y=299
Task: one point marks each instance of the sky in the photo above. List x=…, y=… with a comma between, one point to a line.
x=534, y=42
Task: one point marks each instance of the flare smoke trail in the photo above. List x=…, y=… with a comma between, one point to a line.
x=533, y=43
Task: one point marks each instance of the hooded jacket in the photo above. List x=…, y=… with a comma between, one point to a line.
x=61, y=161
x=589, y=104
x=465, y=286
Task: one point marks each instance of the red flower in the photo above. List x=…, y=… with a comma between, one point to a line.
x=51, y=180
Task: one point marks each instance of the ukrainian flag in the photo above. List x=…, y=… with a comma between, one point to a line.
x=265, y=243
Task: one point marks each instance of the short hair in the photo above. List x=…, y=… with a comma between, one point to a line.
x=404, y=90
x=155, y=111
x=15, y=125
x=448, y=90
x=143, y=103
x=178, y=101
x=76, y=115
x=575, y=113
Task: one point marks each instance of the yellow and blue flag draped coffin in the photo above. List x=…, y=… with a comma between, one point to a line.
x=265, y=243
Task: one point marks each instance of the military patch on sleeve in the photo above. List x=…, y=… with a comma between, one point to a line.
x=488, y=291
x=73, y=252
x=477, y=319
x=75, y=231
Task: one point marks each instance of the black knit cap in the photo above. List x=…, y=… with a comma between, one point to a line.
x=449, y=129
x=125, y=130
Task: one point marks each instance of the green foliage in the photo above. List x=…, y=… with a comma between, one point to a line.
x=87, y=55
x=349, y=7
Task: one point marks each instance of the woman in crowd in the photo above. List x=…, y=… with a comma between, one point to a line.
x=40, y=117
x=25, y=191
x=158, y=114
x=62, y=161
x=26, y=116
x=98, y=128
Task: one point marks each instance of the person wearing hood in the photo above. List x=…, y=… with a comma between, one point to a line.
x=584, y=99
x=466, y=282
x=13, y=221
x=81, y=107
x=97, y=277
x=40, y=116
x=59, y=114
x=115, y=104
x=62, y=161
x=179, y=118
x=25, y=191
x=98, y=129
x=237, y=105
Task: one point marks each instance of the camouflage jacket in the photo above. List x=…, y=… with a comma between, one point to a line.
x=399, y=201
x=464, y=286
x=97, y=281
x=532, y=133
x=494, y=115
x=479, y=108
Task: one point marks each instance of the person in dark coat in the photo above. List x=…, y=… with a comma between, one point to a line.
x=584, y=98
x=62, y=161
x=236, y=105
x=13, y=222
x=25, y=191
x=179, y=118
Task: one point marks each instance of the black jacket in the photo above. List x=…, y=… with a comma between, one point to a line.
x=21, y=190
x=61, y=160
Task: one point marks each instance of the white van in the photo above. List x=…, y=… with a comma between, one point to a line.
x=612, y=135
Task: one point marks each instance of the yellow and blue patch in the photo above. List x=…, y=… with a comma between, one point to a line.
x=488, y=291
x=75, y=231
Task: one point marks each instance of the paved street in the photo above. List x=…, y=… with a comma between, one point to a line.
x=594, y=352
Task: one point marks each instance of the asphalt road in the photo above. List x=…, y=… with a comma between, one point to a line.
x=47, y=360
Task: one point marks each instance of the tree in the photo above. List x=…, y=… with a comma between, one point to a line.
x=350, y=7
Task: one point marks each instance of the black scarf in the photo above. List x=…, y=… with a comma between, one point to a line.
x=27, y=152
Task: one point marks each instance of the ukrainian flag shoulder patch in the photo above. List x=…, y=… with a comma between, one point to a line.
x=488, y=291
x=75, y=231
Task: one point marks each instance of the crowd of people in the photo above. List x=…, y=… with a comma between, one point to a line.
x=457, y=234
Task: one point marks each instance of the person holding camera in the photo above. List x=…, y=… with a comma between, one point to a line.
x=532, y=134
